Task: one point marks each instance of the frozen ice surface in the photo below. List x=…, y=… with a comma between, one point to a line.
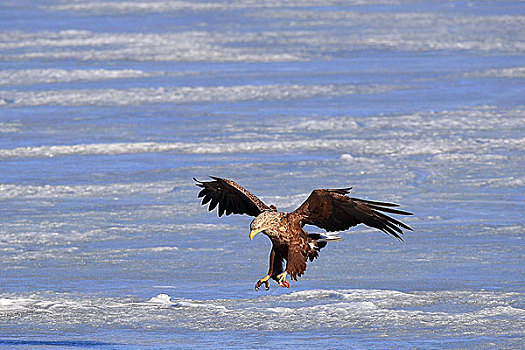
x=109, y=108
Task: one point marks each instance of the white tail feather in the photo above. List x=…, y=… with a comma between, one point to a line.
x=330, y=238
x=325, y=237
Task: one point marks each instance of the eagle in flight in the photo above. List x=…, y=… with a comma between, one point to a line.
x=329, y=209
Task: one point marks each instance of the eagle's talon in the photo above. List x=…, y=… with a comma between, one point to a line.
x=284, y=284
x=282, y=280
x=262, y=281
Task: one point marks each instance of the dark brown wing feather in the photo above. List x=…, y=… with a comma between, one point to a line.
x=332, y=210
x=230, y=197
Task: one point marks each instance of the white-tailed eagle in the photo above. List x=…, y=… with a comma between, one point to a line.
x=329, y=209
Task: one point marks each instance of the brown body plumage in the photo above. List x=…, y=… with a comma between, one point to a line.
x=330, y=209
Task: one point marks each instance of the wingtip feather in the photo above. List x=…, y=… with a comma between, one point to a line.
x=390, y=210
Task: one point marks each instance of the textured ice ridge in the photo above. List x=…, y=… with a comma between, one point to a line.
x=474, y=312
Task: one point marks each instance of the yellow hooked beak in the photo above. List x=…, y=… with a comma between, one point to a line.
x=253, y=233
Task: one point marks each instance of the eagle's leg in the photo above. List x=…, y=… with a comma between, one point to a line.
x=262, y=281
x=265, y=279
x=282, y=280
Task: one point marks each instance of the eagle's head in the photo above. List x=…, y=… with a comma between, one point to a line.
x=265, y=222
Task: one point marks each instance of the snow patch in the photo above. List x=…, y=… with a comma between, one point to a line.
x=161, y=299
x=10, y=191
x=40, y=76
x=166, y=300
x=10, y=127
x=138, y=96
x=514, y=72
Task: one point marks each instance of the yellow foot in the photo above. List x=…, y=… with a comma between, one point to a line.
x=282, y=280
x=262, y=281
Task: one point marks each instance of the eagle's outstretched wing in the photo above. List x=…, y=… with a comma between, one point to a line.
x=230, y=197
x=332, y=210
